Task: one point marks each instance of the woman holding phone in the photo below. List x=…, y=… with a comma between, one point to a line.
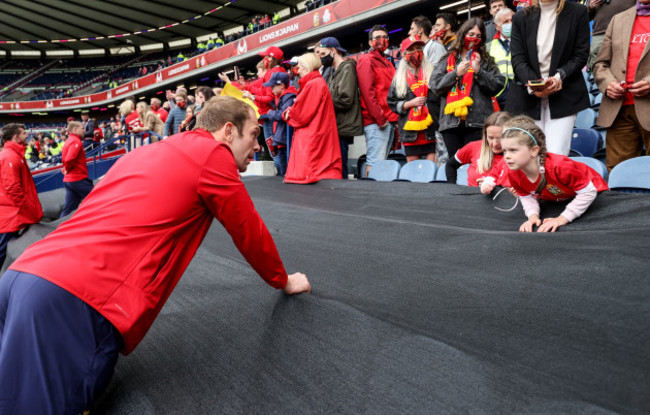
x=550, y=46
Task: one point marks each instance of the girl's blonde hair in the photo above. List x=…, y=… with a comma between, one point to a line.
x=486, y=157
x=401, y=86
x=527, y=133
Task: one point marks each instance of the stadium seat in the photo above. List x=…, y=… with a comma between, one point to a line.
x=441, y=175
x=384, y=171
x=631, y=176
x=420, y=171
x=585, y=141
x=595, y=103
x=461, y=176
x=586, y=119
x=597, y=165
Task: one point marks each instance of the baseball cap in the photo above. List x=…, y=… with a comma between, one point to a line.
x=331, y=42
x=272, y=51
x=516, y=2
x=410, y=41
x=278, y=78
x=293, y=61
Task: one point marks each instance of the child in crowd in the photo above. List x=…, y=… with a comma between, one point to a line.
x=536, y=174
x=482, y=156
x=285, y=95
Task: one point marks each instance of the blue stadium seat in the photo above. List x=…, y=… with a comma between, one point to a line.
x=461, y=176
x=585, y=141
x=420, y=171
x=631, y=176
x=586, y=119
x=384, y=171
x=597, y=165
x=597, y=100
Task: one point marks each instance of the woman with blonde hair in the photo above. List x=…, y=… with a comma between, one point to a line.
x=411, y=98
x=149, y=120
x=131, y=118
x=315, y=150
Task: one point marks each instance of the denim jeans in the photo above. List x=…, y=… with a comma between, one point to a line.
x=378, y=142
x=280, y=161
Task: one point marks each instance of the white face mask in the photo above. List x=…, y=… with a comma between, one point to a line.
x=506, y=30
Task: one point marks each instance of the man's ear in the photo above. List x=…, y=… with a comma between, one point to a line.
x=229, y=132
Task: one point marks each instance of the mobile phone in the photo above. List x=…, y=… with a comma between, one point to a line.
x=236, y=70
x=537, y=82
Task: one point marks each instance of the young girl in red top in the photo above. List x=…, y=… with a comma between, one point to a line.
x=482, y=156
x=536, y=174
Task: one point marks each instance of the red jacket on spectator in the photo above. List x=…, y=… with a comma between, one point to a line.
x=136, y=233
x=73, y=157
x=263, y=94
x=98, y=135
x=315, y=149
x=162, y=114
x=19, y=204
x=132, y=120
x=375, y=76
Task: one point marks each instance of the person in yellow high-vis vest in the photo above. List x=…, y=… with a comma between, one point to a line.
x=499, y=49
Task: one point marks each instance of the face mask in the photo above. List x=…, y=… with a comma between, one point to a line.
x=441, y=33
x=415, y=58
x=294, y=70
x=155, y=107
x=380, y=45
x=267, y=62
x=180, y=104
x=472, y=43
x=327, y=60
x=506, y=30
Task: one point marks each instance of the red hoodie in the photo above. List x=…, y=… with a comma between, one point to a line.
x=263, y=94
x=74, y=160
x=127, y=246
x=375, y=76
x=19, y=204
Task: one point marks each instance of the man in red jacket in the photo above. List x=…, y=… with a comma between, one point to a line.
x=95, y=285
x=19, y=204
x=75, y=171
x=377, y=117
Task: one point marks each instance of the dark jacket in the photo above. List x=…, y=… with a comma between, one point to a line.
x=279, y=106
x=569, y=56
x=89, y=130
x=487, y=83
x=396, y=104
x=344, y=87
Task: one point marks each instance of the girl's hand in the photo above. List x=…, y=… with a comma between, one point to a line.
x=487, y=187
x=551, y=224
x=527, y=226
x=415, y=102
x=462, y=68
x=513, y=191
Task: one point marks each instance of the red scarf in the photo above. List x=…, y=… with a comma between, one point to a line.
x=458, y=99
x=419, y=118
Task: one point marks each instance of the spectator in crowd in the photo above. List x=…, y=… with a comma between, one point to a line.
x=325, y=71
x=293, y=73
x=209, y=45
x=176, y=115
x=466, y=85
x=98, y=134
x=521, y=4
x=344, y=88
x=219, y=42
x=550, y=46
x=535, y=174
x=622, y=72
x=410, y=97
x=378, y=74
x=444, y=31
x=158, y=109
x=285, y=96
x=180, y=57
x=75, y=171
x=201, y=47
x=315, y=150
x=109, y=130
x=31, y=153
x=131, y=118
x=170, y=99
x=276, y=17
x=89, y=129
x=149, y=121
x=19, y=204
x=482, y=156
x=189, y=113
x=601, y=12
x=490, y=25
x=53, y=148
x=499, y=49
x=203, y=95
x=433, y=50
x=89, y=281
x=261, y=95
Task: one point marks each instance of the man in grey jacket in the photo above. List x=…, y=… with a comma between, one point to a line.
x=344, y=87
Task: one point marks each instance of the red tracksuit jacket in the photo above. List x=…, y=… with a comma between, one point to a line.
x=74, y=160
x=127, y=246
x=19, y=204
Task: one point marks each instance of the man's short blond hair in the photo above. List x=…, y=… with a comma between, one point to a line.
x=155, y=101
x=73, y=125
x=222, y=109
x=310, y=61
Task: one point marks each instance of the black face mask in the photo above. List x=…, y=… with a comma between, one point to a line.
x=327, y=60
